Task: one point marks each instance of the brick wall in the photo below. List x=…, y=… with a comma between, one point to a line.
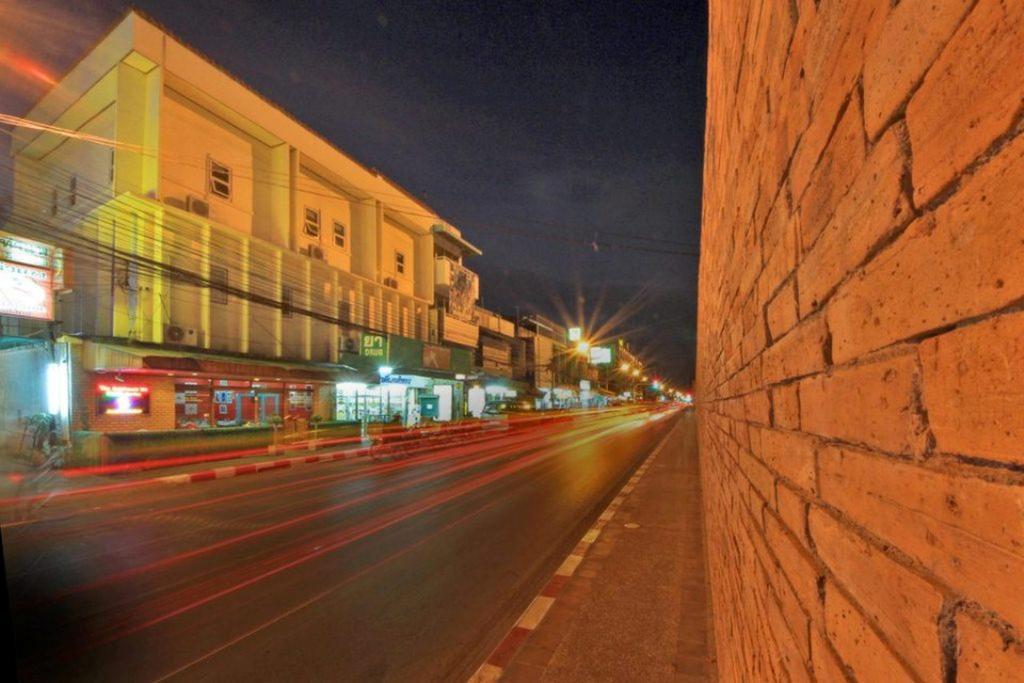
x=861, y=341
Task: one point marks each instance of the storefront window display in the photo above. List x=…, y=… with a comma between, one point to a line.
x=409, y=399
x=203, y=403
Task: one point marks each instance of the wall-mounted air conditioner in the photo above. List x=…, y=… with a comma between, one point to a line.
x=198, y=206
x=313, y=251
x=175, y=334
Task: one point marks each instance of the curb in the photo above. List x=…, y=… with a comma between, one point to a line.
x=494, y=666
x=284, y=463
x=255, y=468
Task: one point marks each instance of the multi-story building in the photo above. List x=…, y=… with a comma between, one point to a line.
x=561, y=375
x=216, y=262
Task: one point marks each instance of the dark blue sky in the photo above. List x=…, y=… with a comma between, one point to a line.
x=534, y=127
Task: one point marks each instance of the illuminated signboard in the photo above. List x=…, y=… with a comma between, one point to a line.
x=584, y=385
x=26, y=291
x=374, y=346
x=20, y=251
x=122, y=399
x=575, y=333
x=600, y=355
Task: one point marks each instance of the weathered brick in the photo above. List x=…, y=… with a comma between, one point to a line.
x=873, y=403
x=968, y=532
x=800, y=352
x=910, y=40
x=974, y=389
x=790, y=654
x=983, y=655
x=833, y=176
x=786, y=405
x=793, y=511
x=825, y=663
x=903, y=605
x=859, y=647
x=874, y=206
x=796, y=565
x=781, y=310
x=980, y=67
x=756, y=407
x=965, y=259
x=833, y=58
x=759, y=475
x=791, y=454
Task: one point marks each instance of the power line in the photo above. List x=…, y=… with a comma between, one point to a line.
x=594, y=244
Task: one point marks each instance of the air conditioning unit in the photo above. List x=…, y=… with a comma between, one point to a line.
x=176, y=334
x=198, y=206
x=391, y=282
x=312, y=251
x=177, y=203
x=349, y=341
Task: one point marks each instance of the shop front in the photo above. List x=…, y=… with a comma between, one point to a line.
x=203, y=403
x=403, y=381
x=129, y=388
x=398, y=398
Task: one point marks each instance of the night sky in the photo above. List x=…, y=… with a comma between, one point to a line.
x=536, y=128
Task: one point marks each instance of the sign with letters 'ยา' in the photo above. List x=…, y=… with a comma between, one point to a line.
x=374, y=346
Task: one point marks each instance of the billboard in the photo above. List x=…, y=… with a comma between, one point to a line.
x=600, y=355
x=575, y=333
x=26, y=291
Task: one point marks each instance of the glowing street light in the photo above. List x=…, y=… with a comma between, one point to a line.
x=636, y=372
x=583, y=346
x=385, y=370
x=624, y=367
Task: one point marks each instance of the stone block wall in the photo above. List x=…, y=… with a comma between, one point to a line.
x=861, y=339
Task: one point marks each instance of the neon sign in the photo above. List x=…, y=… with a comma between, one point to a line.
x=122, y=399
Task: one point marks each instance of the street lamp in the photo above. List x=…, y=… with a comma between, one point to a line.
x=624, y=367
x=583, y=346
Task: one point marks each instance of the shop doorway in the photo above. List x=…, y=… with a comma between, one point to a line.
x=269, y=406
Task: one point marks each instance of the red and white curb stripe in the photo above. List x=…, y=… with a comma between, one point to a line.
x=253, y=468
x=493, y=668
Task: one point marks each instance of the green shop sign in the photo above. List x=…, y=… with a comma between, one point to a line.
x=374, y=346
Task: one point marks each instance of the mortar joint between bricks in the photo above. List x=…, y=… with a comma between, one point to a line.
x=948, y=645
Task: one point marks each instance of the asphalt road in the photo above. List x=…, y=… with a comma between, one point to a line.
x=405, y=568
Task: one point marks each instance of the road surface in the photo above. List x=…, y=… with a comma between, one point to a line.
x=405, y=568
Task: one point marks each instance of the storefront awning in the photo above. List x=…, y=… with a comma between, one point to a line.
x=119, y=357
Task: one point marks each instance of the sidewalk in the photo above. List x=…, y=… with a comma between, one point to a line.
x=635, y=608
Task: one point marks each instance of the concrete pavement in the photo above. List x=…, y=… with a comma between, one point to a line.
x=636, y=606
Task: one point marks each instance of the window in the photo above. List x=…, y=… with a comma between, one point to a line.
x=220, y=180
x=218, y=285
x=73, y=191
x=53, y=203
x=311, y=224
x=339, y=234
x=400, y=263
x=286, y=301
x=345, y=311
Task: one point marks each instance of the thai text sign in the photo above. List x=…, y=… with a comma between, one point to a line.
x=26, y=291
